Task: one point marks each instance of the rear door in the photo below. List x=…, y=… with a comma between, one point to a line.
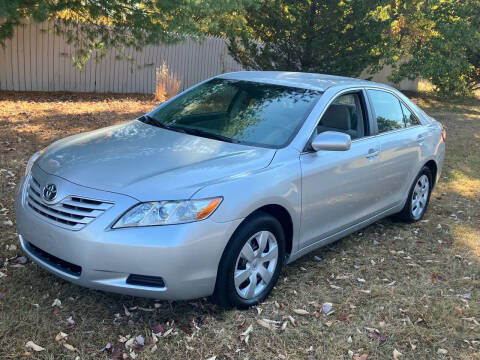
x=339, y=187
x=401, y=138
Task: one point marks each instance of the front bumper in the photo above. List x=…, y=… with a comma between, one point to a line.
x=185, y=256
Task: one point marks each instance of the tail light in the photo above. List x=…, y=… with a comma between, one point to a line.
x=444, y=134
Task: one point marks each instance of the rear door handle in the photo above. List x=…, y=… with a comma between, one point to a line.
x=372, y=153
x=420, y=139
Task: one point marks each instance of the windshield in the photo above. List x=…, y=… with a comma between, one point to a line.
x=238, y=111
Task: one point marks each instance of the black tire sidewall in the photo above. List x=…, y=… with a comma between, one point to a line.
x=225, y=283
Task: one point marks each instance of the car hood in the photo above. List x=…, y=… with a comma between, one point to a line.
x=149, y=163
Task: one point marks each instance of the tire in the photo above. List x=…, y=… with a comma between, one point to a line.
x=411, y=213
x=261, y=228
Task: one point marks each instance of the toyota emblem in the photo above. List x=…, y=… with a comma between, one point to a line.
x=50, y=192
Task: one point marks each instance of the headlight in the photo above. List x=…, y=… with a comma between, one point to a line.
x=168, y=212
x=32, y=160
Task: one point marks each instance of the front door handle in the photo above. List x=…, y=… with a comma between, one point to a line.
x=372, y=153
x=420, y=139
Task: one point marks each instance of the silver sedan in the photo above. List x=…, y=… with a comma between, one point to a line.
x=214, y=191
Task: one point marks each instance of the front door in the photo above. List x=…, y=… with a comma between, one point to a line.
x=339, y=187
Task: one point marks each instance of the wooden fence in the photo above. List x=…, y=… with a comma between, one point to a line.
x=36, y=59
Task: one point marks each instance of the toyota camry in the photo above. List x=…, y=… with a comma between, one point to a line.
x=215, y=190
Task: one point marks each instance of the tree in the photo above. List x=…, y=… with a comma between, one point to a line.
x=323, y=36
x=439, y=41
x=98, y=25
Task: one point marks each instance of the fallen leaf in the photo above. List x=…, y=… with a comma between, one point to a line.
x=140, y=340
x=442, y=351
x=361, y=357
x=129, y=342
x=168, y=332
x=33, y=346
x=301, y=312
x=327, y=308
x=69, y=347
x=61, y=336
x=70, y=321
x=107, y=347
x=246, y=334
x=248, y=331
x=396, y=354
x=56, y=302
x=269, y=324
x=158, y=329
x=364, y=291
x=291, y=319
x=377, y=336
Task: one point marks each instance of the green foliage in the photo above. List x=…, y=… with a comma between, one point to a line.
x=440, y=40
x=98, y=25
x=335, y=37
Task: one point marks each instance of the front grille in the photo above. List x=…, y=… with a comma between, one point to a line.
x=73, y=212
x=54, y=261
x=145, y=280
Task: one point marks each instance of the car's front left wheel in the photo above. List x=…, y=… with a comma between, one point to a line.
x=251, y=263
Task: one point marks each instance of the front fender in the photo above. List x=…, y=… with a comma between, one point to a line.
x=279, y=184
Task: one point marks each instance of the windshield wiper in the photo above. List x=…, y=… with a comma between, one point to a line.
x=209, y=135
x=147, y=119
x=150, y=120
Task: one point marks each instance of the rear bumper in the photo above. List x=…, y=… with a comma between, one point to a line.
x=185, y=257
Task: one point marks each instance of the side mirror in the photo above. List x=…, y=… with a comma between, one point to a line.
x=331, y=141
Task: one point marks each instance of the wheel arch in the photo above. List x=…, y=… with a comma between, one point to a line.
x=280, y=213
x=432, y=165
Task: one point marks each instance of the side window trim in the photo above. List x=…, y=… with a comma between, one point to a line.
x=412, y=112
x=372, y=115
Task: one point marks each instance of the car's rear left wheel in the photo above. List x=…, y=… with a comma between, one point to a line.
x=251, y=263
x=418, y=197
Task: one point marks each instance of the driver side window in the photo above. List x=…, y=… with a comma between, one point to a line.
x=344, y=115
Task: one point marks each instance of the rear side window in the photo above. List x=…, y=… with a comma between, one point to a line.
x=387, y=110
x=409, y=117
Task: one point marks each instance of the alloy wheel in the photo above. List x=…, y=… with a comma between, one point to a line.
x=420, y=196
x=256, y=264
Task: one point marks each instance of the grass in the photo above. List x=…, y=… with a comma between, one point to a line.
x=421, y=288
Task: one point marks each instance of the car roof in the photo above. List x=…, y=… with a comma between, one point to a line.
x=312, y=81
